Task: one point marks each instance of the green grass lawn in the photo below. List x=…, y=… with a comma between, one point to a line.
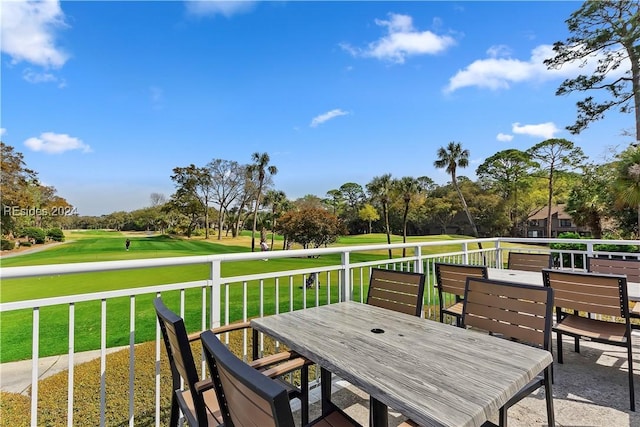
x=16, y=329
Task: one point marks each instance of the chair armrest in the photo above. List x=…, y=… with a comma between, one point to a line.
x=266, y=361
x=204, y=385
x=286, y=367
x=222, y=329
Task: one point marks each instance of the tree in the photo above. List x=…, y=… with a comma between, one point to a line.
x=407, y=187
x=15, y=178
x=442, y=211
x=369, y=214
x=451, y=158
x=238, y=214
x=227, y=179
x=274, y=199
x=334, y=199
x=195, y=182
x=157, y=199
x=589, y=200
x=607, y=31
x=380, y=190
x=627, y=182
x=310, y=227
x=555, y=155
x=309, y=201
x=259, y=168
x=187, y=208
x=507, y=172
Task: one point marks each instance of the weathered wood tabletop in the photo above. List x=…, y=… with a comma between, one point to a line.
x=435, y=374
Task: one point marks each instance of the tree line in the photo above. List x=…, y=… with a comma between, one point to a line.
x=227, y=197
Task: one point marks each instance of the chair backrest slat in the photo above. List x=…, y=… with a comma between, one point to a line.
x=247, y=398
x=517, y=311
x=400, y=291
x=452, y=278
x=177, y=344
x=245, y=406
x=529, y=261
x=589, y=292
x=623, y=267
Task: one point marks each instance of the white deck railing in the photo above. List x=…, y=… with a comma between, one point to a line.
x=227, y=299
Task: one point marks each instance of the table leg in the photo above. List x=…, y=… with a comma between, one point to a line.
x=325, y=388
x=377, y=413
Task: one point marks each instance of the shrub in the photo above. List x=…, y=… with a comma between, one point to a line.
x=566, y=258
x=35, y=233
x=6, y=245
x=56, y=235
x=26, y=244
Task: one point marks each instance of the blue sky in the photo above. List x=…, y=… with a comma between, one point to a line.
x=104, y=99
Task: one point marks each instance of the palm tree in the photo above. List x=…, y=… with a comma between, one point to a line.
x=275, y=199
x=259, y=168
x=451, y=158
x=407, y=187
x=627, y=183
x=380, y=189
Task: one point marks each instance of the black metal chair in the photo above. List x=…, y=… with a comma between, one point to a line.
x=579, y=295
x=528, y=261
x=401, y=291
x=249, y=399
x=451, y=279
x=514, y=311
x=198, y=401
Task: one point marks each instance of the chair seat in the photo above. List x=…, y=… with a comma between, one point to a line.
x=592, y=328
x=455, y=309
x=214, y=416
x=334, y=419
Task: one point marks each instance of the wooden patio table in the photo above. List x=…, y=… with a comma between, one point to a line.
x=435, y=374
x=535, y=278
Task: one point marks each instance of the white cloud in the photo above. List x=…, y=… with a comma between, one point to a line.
x=28, y=32
x=224, y=8
x=55, y=143
x=500, y=71
x=402, y=40
x=499, y=51
x=543, y=130
x=35, y=77
x=503, y=137
x=156, y=94
x=318, y=120
x=3, y=131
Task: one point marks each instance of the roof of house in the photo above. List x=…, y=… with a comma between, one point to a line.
x=556, y=210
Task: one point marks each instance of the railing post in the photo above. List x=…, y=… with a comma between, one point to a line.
x=35, y=355
x=418, y=268
x=498, y=254
x=590, y=249
x=465, y=253
x=216, y=279
x=346, y=278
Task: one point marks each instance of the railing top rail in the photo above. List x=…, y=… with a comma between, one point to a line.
x=96, y=296
x=86, y=267
x=538, y=240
